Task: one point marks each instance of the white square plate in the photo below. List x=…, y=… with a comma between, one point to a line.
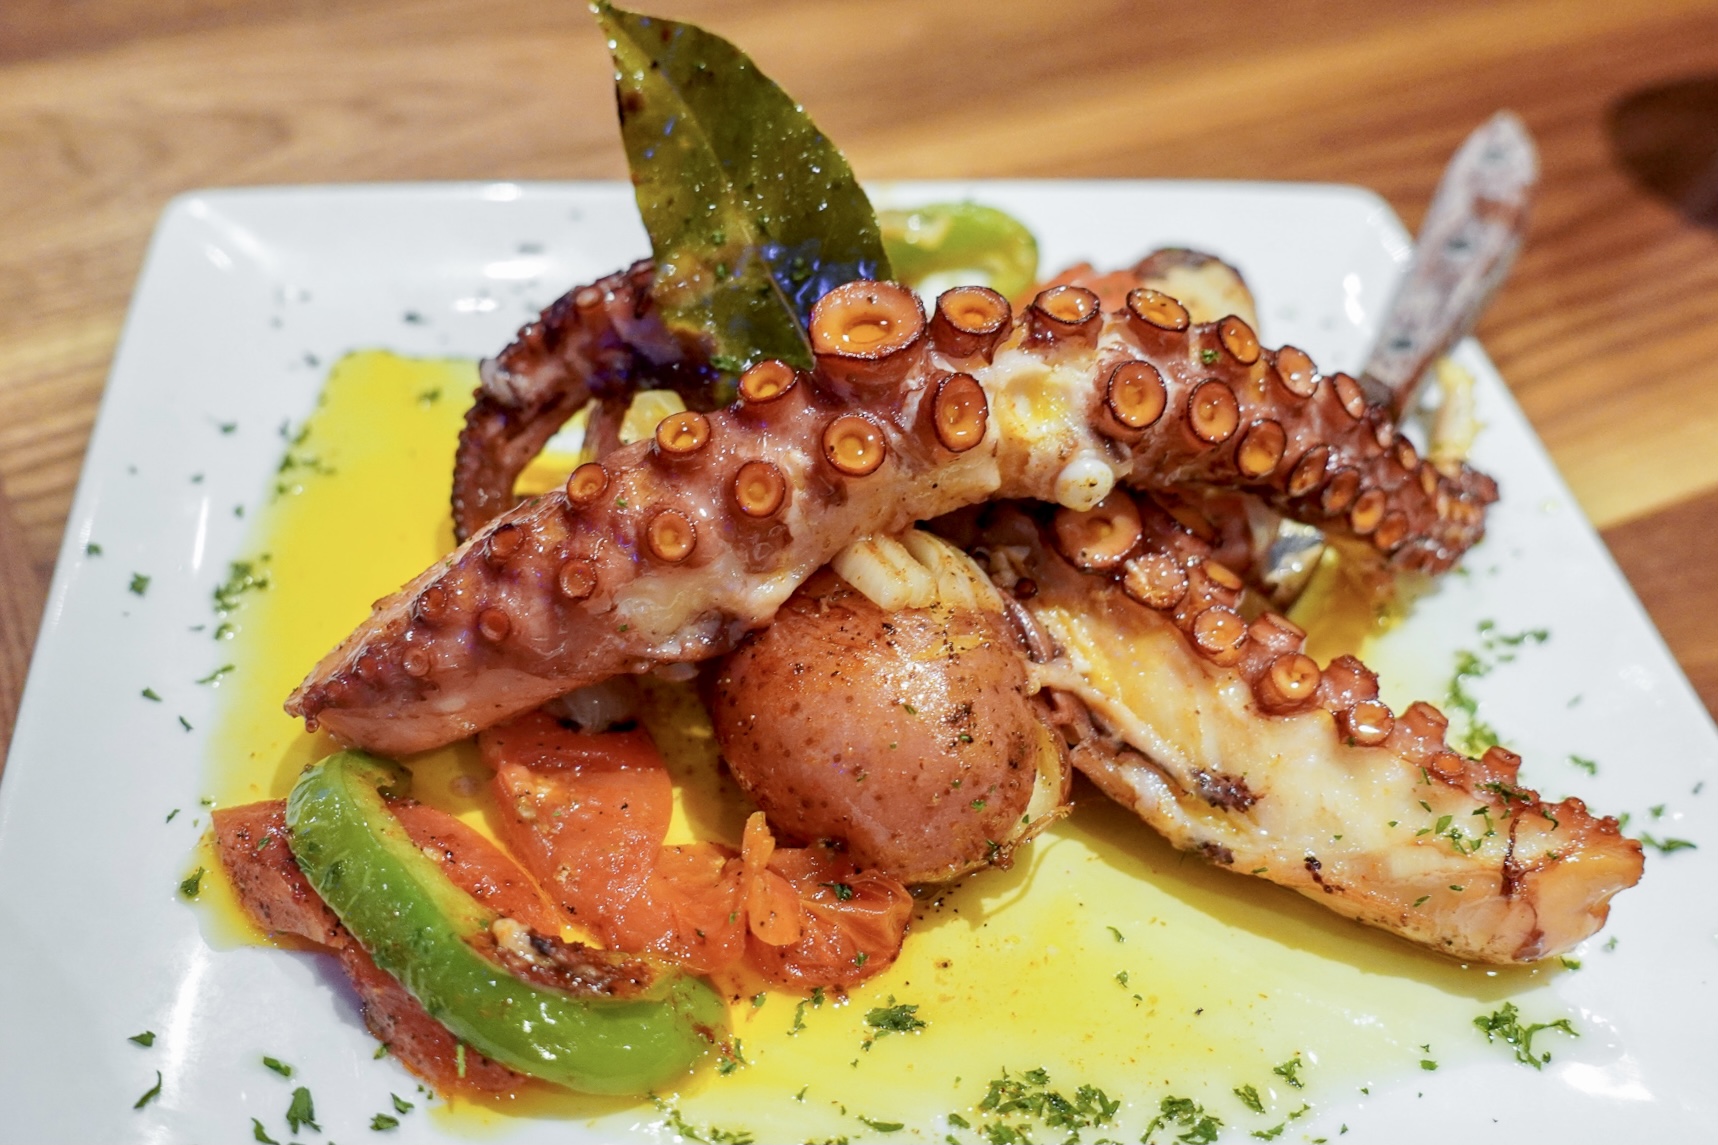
x=245, y=298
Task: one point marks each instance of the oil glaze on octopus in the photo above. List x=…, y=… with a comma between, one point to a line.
x=1218, y=730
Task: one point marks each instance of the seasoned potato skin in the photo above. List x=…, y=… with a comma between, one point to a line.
x=908, y=736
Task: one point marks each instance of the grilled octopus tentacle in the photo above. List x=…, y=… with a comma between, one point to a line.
x=669, y=550
x=1224, y=736
x=603, y=342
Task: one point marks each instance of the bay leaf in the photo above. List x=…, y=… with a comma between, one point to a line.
x=753, y=213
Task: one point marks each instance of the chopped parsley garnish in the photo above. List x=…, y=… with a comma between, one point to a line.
x=242, y=577
x=883, y=1126
x=192, y=883
x=1014, y=1106
x=152, y=1093
x=843, y=891
x=401, y=1105
x=92, y=550
x=714, y=1135
x=1250, y=1098
x=150, y=694
x=184, y=723
x=278, y=1066
x=1505, y=1025
x=1494, y=648
x=384, y=1121
x=145, y=1039
x=1289, y=1071
x=1208, y=356
x=1428, y=1064
x=139, y=583
x=1590, y=766
x=894, y=1018
x=1121, y=977
x=733, y=1057
x=258, y=1133
x=1666, y=846
x=1569, y=963
x=1116, y=934
x=302, y=1111
x=1200, y=1128
x=1272, y=1133
x=215, y=676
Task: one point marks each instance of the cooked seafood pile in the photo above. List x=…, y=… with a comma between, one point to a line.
x=922, y=575
x=1217, y=728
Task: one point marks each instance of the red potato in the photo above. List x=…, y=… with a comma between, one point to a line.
x=908, y=736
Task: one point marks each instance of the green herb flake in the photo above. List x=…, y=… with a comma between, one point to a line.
x=92, y=550
x=192, y=883
x=383, y=1121
x=258, y=1133
x=151, y=1094
x=1289, y=1071
x=1249, y=1097
x=1666, y=846
x=894, y=1018
x=1272, y=1133
x=1569, y=963
x=1116, y=934
x=1208, y=356
x=139, y=583
x=184, y=723
x=1199, y=1127
x=302, y=1111
x=145, y=1039
x=401, y=1105
x=1505, y=1025
x=1428, y=1064
x=150, y=694
x=215, y=676
x=884, y=1126
x=278, y=1066
x=1591, y=767
x=1121, y=977
x=843, y=891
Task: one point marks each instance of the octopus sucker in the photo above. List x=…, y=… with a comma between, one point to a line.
x=888, y=429
x=1368, y=811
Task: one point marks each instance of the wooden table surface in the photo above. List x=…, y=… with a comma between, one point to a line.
x=1608, y=330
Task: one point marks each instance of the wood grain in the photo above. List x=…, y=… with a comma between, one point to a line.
x=108, y=108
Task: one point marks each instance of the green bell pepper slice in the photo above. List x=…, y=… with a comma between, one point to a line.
x=419, y=927
x=960, y=244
